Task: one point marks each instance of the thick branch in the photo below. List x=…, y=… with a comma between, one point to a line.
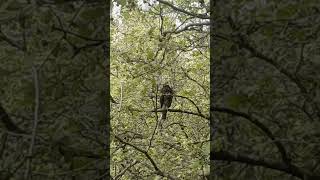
x=234, y=157
x=201, y=16
x=183, y=111
x=64, y=150
x=261, y=126
x=187, y=27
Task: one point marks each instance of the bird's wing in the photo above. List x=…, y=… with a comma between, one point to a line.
x=161, y=100
x=170, y=100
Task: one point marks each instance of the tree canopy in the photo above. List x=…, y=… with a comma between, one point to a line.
x=244, y=75
x=52, y=90
x=265, y=107
x=152, y=44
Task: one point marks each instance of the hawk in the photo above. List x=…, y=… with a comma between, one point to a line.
x=165, y=100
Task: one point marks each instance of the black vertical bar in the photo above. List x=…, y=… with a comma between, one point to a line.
x=211, y=46
x=106, y=116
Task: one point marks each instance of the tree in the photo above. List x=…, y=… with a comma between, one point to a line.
x=154, y=44
x=265, y=111
x=61, y=112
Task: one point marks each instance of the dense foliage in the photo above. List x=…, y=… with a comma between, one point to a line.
x=148, y=51
x=52, y=87
x=266, y=90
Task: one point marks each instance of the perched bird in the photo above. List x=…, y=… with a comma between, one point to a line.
x=166, y=100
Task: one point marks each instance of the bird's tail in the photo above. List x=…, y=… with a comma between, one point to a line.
x=164, y=115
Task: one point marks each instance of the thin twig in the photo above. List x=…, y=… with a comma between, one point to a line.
x=125, y=169
x=154, y=164
x=121, y=96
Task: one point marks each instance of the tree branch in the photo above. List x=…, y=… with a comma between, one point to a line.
x=261, y=126
x=77, y=35
x=235, y=157
x=201, y=16
x=185, y=112
x=8, y=123
x=118, y=176
x=10, y=41
x=158, y=171
x=187, y=27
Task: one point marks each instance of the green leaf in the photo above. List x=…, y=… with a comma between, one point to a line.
x=150, y=54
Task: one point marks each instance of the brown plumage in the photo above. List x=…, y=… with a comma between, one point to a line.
x=166, y=99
